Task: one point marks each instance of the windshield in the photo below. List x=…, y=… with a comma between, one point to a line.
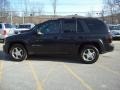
x=25, y=26
x=114, y=27
x=8, y=26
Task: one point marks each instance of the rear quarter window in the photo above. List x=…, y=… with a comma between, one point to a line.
x=8, y=26
x=96, y=26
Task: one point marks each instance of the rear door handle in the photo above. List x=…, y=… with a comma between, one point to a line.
x=80, y=37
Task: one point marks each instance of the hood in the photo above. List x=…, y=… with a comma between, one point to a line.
x=22, y=29
x=19, y=31
x=19, y=37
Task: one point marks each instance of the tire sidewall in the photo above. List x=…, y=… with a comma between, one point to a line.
x=24, y=52
x=89, y=47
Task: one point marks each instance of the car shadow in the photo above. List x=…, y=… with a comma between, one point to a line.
x=53, y=58
x=4, y=56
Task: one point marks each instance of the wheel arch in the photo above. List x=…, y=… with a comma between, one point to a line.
x=96, y=44
x=21, y=43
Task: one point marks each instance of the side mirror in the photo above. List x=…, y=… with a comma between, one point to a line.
x=39, y=32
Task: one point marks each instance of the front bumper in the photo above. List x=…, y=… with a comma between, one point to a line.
x=116, y=36
x=6, y=48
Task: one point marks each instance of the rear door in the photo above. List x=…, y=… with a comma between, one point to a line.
x=68, y=36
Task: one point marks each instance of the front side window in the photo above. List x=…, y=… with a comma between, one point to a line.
x=69, y=26
x=25, y=26
x=50, y=27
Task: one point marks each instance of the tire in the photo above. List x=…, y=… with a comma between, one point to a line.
x=18, y=52
x=89, y=54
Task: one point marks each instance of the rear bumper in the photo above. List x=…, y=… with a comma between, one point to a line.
x=108, y=48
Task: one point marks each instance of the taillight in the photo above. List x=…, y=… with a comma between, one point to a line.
x=4, y=32
x=109, y=38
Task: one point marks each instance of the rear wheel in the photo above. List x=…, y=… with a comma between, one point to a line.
x=18, y=52
x=89, y=54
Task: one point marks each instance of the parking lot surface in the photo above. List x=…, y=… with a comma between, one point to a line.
x=61, y=72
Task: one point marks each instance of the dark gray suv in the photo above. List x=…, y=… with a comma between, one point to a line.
x=84, y=37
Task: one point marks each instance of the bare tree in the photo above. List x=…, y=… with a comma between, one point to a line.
x=117, y=3
x=89, y=14
x=36, y=8
x=110, y=8
x=40, y=9
x=4, y=6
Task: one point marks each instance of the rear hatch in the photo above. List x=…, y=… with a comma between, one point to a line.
x=9, y=29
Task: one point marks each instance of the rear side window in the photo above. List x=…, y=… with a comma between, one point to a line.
x=0, y=26
x=8, y=26
x=69, y=26
x=96, y=26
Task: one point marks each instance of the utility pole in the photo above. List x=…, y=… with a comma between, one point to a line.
x=54, y=7
x=23, y=17
x=3, y=8
x=26, y=7
x=11, y=18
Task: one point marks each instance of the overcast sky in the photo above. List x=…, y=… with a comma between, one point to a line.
x=62, y=5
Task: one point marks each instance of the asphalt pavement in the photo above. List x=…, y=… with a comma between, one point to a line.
x=60, y=72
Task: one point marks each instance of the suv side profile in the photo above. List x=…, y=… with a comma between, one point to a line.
x=85, y=37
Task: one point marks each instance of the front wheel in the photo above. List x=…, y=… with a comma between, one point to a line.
x=89, y=54
x=18, y=52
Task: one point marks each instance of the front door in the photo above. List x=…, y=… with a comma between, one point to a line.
x=47, y=41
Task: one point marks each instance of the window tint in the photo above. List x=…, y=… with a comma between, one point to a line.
x=96, y=26
x=114, y=27
x=25, y=26
x=0, y=26
x=79, y=26
x=69, y=26
x=8, y=26
x=50, y=27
